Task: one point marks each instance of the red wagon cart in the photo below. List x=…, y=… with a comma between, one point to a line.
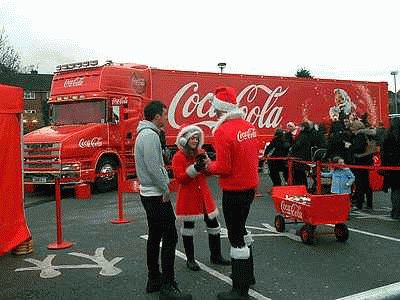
x=294, y=204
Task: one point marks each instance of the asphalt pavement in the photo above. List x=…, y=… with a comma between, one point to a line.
x=108, y=261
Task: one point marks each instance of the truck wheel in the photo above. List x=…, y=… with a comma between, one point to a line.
x=106, y=171
x=341, y=232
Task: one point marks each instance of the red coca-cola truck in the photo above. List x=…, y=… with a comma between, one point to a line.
x=95, y=110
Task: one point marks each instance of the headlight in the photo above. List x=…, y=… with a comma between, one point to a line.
x=70, y=167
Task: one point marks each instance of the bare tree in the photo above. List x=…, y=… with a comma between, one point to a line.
x=10, y=61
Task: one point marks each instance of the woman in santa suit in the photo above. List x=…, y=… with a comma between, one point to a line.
x=194, y=199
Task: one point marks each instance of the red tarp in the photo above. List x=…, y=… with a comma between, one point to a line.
x=13, y=227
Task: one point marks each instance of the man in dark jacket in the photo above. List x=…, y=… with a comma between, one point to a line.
x=278, y=147
x=361, y=156
x=390, y=155
x=301, y=150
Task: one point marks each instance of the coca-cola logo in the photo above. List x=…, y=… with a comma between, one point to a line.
x=138, y=83
x=91, y=142
x=246, y=135
x=187, y=102
x=291, y=209
x=119, y=101
x=78, y=81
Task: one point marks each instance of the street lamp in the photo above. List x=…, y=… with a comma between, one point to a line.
x=222, y=66
x=394, y=73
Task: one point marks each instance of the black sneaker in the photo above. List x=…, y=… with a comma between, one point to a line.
x=153, y=285
x=234, y=294
x=193, y=265
x=171, y=291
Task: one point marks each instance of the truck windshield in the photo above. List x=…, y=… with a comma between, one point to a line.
x=78, y=112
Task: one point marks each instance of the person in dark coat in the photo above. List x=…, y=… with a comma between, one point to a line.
x=347, y=140
x=361, y=156
x=301, y=150
x=390, y=156
x=279, y=147
x=336, y=145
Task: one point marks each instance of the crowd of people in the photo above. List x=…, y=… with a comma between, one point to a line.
x=348, y=140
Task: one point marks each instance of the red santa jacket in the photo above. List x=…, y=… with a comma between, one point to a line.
x=235, y=144
x=194, y=198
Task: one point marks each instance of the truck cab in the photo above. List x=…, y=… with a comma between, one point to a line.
x=93, y=116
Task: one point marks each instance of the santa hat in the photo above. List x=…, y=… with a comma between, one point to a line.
x=186, y=133
x=224, y=99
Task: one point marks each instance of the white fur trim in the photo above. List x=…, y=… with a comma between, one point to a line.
x=237, y=113
x=213, y=214
x=187, y=231
x=181, y=141
x=214, y=231
x=222, y=105
x=248, y=239
x=191, y=171
x=240, y=253
x=190, y=217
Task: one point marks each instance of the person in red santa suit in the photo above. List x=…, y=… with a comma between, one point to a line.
x=235, y=144
x=194, y=199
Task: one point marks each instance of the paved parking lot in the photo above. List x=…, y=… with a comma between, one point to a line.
x=108, y=260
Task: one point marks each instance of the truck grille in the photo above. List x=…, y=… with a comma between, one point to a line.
x=41, y=162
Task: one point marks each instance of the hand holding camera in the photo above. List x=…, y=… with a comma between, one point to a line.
x=201, y=162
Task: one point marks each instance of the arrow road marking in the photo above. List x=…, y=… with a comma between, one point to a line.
x=47, y=270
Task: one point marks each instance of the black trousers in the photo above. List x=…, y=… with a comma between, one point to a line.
x=161, y=223
x=236, y=207
x=362, y=188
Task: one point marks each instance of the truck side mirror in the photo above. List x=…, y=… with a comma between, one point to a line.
x=115, y=114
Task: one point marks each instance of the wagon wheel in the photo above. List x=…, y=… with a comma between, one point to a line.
x=279, y=223
x=307, y=234
x=341, y=232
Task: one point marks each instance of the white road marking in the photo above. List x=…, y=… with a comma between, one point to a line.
x=363, y=215
x=391, y=291
x=371, y=234
x=48, y=270
x=385, y=292
x=215, y=273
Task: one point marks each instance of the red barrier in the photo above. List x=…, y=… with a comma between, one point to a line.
x=121, y=189
x=376, y=180
x=60, y=244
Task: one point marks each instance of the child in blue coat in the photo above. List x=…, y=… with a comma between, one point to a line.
x=342, y=178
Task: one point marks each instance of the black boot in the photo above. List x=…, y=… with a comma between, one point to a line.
x=252, y=278
x=241, y=277
x=214, y=242
x=189, y=250
x=171, y=291
x=153, y=285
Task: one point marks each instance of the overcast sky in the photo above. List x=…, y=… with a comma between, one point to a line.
x=343, y=39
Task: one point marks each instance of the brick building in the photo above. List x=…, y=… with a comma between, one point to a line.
x=36, y=92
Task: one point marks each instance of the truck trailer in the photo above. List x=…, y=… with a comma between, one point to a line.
x=95, y=109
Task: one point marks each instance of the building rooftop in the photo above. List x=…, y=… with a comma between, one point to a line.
x=28, y=81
